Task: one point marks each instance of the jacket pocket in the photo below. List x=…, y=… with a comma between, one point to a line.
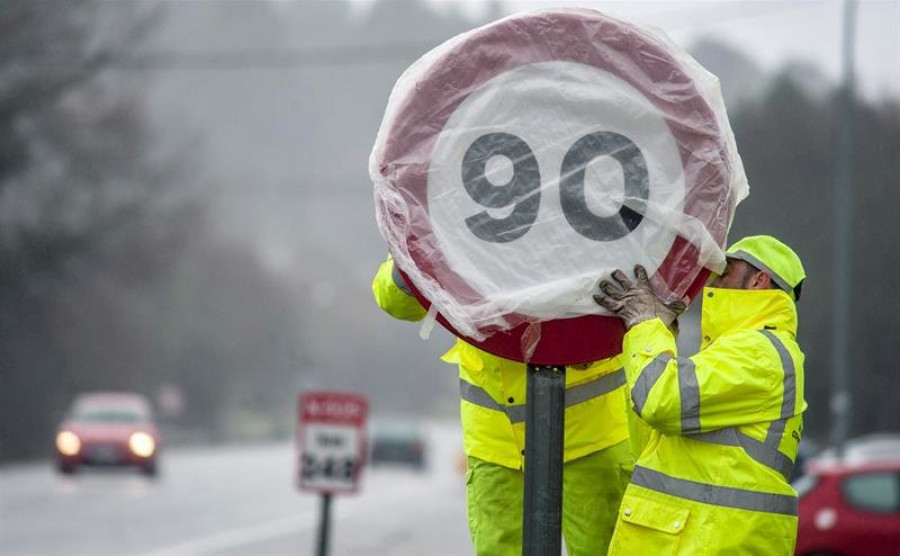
x=648, y=527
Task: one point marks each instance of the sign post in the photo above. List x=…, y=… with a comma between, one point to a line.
x=544, y=433
x=331, y=440
x=324, y=525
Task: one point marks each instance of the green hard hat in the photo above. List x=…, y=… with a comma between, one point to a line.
x=767, y=253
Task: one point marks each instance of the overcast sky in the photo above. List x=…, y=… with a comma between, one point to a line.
x=772, y=32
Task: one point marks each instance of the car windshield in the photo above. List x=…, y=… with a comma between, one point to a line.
x=108, y=416
x=874, y=491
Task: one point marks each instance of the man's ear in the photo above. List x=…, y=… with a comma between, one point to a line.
x=761, y=280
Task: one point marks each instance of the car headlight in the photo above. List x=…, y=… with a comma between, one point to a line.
x=141, y=444
x=68, y=443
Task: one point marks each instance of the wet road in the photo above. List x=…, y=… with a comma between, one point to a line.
x=234, y=501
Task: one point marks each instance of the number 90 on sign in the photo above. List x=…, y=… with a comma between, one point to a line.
x=523, y=190
x=550, y=173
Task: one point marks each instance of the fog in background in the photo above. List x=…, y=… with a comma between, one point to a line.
x=185, y=210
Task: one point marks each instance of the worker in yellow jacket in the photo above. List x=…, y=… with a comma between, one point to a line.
x=597, y=457
x=713, y=478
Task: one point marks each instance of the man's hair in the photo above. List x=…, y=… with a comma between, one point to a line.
x=749, y=271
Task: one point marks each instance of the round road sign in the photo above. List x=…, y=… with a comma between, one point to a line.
x=519, y=162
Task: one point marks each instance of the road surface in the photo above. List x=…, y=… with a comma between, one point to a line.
x=234, y=501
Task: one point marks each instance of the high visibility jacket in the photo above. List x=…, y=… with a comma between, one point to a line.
x=492, y=392
x=726, y=427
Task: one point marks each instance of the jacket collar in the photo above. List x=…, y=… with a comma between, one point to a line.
x=727, y=310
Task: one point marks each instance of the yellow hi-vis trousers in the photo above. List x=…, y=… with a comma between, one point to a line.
x=593, y=486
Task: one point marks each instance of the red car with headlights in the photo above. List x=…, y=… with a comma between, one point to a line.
x=108, y=429
x=851, y=506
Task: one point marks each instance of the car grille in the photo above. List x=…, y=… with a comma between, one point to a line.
x=103, y=453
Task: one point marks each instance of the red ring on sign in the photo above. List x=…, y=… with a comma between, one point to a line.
x=570, y=35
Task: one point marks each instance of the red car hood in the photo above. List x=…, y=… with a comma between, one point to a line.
x=108, y=432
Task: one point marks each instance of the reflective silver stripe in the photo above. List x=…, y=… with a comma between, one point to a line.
x=689, y=391
x=647, y=379
x=724, y=437
x=399, y=281
x=747, y=257
x=574, y=395
x=767, y=455
x=715, y=495
x=595, y=388
x=516, y=413
x=758, y=451
x=478, y=396
x=776, y=429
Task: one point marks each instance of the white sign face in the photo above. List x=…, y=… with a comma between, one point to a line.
x=332, y=441
x=550, y=154
x=331, y=457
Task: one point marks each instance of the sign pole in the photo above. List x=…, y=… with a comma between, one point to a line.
x=324, y=525
x=544, y=427
x=843, y=232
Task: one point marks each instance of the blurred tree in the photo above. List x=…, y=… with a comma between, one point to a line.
x=83, y=187
x=741, y=78
x=229, y=334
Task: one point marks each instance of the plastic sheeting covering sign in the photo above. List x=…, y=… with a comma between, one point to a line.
x=331, y=439
x=521, y=161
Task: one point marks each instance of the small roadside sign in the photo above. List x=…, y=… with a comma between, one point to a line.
x=332, y=441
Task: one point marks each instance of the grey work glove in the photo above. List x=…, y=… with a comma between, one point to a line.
x=635, y=302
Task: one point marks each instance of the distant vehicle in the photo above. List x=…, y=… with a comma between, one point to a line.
x=108, y=429
x=398, y=444
x=851, y=506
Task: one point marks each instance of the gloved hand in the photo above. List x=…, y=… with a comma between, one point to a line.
x=635, y=302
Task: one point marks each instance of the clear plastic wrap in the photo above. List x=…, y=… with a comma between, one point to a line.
x=521, y=161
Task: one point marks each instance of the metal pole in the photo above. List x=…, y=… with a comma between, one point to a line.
x=544, y=426
x=843, y=219
x=324, y=525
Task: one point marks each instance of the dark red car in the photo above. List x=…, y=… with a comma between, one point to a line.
x=851, y=506
x=108, y=429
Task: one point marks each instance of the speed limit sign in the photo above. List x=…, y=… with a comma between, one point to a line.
x=521, y=161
